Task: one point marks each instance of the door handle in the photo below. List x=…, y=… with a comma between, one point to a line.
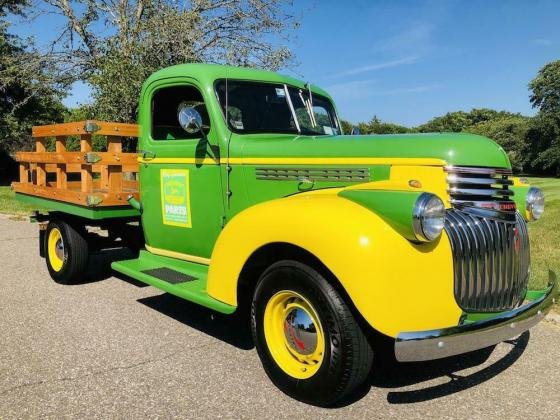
x=147, y=155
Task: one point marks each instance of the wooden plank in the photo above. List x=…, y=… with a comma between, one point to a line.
x=69, y=196
x=129, y=159
x=114, y=145
x=115, y=173
x=23, y=173
x=61, y=177
x=86, y=172
x=41, y=174
x=60, y=144
x=74, y=197
x=79, y=128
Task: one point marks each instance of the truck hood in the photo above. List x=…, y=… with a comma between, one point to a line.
x=459, y=149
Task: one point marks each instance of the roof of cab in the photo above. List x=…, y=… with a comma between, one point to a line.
x=209, y=73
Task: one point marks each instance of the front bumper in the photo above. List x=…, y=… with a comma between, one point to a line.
x=435, y=344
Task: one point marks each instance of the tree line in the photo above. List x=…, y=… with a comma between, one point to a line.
x=147, y=35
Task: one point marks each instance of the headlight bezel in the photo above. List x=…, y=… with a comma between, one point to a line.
x=534, y=203
x=422, y=206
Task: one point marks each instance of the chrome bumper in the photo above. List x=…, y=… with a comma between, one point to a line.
x=435, y=344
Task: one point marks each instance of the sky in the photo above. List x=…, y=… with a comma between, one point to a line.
x=409, y=61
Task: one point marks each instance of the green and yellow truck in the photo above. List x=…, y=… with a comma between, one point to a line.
x=245, y=196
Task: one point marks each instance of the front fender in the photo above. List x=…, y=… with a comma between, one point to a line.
x=395, y=284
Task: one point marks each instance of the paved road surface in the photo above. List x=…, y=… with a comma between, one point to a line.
x=112, y=348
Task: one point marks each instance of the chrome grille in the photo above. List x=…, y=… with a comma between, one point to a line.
x=313, y=174
x=479, y=187
x=491, y=260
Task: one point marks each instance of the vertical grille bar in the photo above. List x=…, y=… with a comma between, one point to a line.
x=491, y=260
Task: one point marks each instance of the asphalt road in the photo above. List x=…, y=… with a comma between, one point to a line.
x=112, y=348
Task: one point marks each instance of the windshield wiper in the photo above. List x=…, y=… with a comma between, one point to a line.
x=292, y=110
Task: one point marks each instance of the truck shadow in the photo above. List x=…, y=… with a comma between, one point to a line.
x=391, y=375
x=229, y=329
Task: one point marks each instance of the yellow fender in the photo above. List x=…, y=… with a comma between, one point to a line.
x=395, y=284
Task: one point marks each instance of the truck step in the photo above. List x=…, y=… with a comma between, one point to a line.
x=169, y=275
x=183, y=279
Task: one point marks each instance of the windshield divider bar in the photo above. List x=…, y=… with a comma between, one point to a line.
x=291, y=105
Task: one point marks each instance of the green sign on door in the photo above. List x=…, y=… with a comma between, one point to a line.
x=175, y=197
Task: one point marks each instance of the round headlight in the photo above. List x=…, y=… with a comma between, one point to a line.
x=534, y=203
x=428, y=217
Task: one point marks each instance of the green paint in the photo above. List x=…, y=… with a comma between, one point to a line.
x=520, y=196
x=194, y=291
x=93, y=213
x=395, y=207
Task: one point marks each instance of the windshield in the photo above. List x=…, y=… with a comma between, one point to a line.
x=258, y=107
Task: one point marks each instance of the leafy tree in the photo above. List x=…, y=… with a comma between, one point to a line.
x=544, y=135
x=461, y=121
x=29, y=92
x=510, y=132
x=545, y=89
x=376, y=126
x=148, y=35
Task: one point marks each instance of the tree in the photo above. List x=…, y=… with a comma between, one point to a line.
x=150, y=34
x=29, y=94
x=510, y=132
x=545, y=89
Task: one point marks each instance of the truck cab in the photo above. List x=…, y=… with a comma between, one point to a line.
x=252, y=200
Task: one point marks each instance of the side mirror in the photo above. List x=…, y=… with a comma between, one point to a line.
x=355, y=131
x=189, y=118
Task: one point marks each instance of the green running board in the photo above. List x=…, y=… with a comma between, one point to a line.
x=167, y=274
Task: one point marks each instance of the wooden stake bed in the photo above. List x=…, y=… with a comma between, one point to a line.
x=100, y=182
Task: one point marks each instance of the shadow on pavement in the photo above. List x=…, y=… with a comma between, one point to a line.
x=229, y=329
x=405, y=374
x=99, y=266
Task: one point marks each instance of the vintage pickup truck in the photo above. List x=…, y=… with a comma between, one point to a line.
x=249, y=199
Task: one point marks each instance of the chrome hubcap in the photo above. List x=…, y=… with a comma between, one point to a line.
x=59, y=249
x=300, y=331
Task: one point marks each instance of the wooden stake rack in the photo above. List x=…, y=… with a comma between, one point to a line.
x=100, y=182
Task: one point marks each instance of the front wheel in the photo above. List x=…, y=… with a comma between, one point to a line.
x=66, y=252
x=309, y=343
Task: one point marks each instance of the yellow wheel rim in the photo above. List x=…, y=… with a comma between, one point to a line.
x=55, y=249
x=294, y=334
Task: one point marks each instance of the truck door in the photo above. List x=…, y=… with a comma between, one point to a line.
x=180, y=182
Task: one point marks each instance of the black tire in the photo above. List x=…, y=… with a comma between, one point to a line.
x=347, y=357
x=74, y=253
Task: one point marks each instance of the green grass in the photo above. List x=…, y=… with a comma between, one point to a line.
x=9, y=204
x=545, y=234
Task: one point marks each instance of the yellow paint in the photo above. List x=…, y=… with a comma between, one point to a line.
x=300, y=161
x=55, y=261
x=518, y=181
x=395, y=284
x=173, y=198
x=290, y=360
x=178, y=255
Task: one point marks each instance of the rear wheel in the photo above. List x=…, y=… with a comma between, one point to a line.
x=307, y=338
x=66, y=252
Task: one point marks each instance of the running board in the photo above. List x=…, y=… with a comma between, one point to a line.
x=183, y=279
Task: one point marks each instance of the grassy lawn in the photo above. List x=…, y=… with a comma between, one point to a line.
x=9, y=204
x=545, y=233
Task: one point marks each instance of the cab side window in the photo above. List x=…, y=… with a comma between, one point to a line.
x=165, y=106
